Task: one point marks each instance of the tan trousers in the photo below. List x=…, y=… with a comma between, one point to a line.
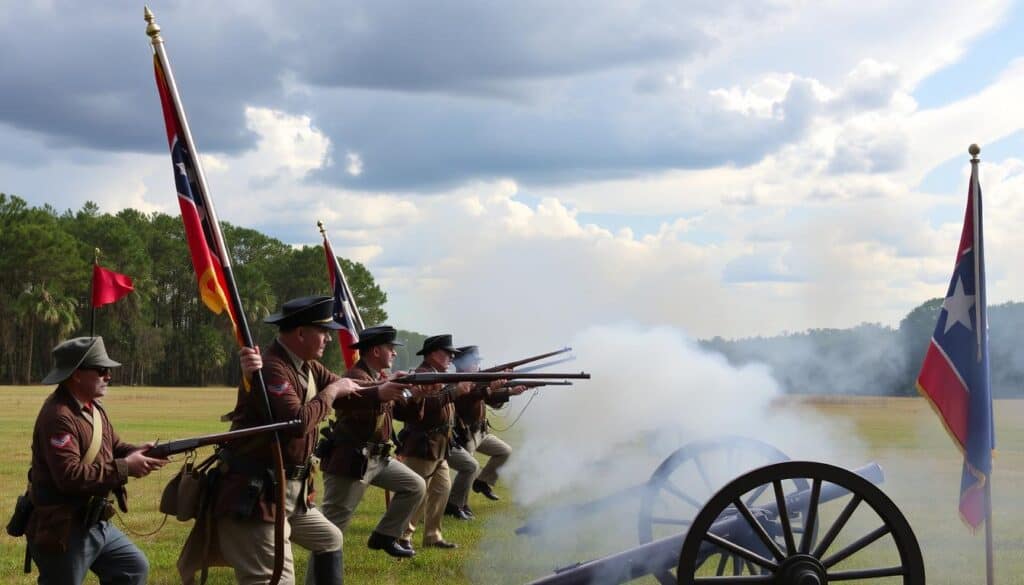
x=248, y=545
x=342, y=495
x=439, y=484
x=489, y=445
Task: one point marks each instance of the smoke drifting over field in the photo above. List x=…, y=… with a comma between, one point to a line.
x=653, y=391
x=659, y=388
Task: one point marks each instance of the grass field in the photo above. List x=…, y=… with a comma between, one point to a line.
x=903, y=435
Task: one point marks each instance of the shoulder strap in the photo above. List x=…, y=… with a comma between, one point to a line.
x=97, y=436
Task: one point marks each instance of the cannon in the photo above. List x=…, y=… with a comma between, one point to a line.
x=772, y=526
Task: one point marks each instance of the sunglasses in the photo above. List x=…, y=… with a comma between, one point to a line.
x=103, y=372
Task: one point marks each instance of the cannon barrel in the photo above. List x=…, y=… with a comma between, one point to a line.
x=661, y=555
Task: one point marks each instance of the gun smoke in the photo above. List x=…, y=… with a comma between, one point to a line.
x=653, y=391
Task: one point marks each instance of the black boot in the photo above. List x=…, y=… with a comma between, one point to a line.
x=328, y=568
x=456, y=512
x=484, y=488
x=389, y=545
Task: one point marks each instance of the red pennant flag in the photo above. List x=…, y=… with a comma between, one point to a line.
x=108, y=286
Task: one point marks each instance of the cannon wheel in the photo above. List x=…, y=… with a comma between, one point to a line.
x=688, y=477
x=806, y=560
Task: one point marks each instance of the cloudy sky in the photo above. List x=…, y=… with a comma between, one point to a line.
x=525, y=169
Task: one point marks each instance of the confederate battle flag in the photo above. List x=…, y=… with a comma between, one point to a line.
x=344, y=313
x=955, y=373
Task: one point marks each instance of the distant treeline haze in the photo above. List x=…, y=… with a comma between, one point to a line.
x=874, y=359
x=164, y=336
x=161, y=332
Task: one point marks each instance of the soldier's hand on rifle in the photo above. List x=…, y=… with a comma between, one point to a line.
x=389, y=391
x=517, y=390
x=342, y=387
x=250, y=359
x=139, y=465
x=463, y=388
x=495, y=384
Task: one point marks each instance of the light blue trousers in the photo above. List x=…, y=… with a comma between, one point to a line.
x=103, y=549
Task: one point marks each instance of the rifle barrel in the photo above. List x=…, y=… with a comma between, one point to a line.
x=454, y=378
x=517, y=363
x=162, y=450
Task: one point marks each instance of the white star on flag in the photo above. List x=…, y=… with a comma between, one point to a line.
x=958, y=307
x=181, y=167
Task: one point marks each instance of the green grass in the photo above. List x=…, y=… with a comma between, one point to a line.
x=903, y=435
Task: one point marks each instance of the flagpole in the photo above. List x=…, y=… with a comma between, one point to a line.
x=153, y=31
x=981, y=318
x=92, y=292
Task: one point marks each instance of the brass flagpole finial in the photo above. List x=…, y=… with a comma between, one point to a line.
x=152, y=29
x=320, y=225
x=974, y=150
x=95, y=255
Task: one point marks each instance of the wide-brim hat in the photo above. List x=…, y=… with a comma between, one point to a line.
x=377, y=335
x=80, y=352
x=436, y=342
x=467, y=356
x=316, y=311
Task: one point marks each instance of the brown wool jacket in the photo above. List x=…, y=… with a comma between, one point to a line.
x=470, y=408
x=286, y=391
x=361, y=418
x=428, y=423
x=61, y=483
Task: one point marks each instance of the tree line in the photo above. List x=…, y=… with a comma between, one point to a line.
x=875, y=359
x=164, y=336
x=161, y=332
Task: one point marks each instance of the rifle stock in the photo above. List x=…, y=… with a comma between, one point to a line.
x=164, y=450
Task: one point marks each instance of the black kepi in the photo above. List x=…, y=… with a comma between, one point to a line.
x=315, y=311
x=377, y=335
x=436, y=342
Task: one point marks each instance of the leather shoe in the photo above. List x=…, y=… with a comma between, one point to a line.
x=441, y=544
x=388, y=544
x=468, y=512
x=484, y=488
x=406, y=544
x=456, y=512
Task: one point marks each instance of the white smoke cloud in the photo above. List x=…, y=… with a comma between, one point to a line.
x=657, y=387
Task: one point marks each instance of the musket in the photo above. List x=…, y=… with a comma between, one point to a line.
x=423, y=378
x=536, y=367
x=427, y=378
x=535, y=383
x=517, y=363
x=164, y=450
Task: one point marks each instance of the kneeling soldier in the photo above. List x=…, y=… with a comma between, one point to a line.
x=358, y=451
x=472, y=434
x=77, y=462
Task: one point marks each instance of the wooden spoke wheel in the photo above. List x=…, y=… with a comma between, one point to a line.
x=687, y=478
x=737, y=539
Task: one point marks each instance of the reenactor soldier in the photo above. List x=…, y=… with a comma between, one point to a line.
x=78, y=461
x=472, y=434
x=426, y=438
x=298, y=387
x=357, y=451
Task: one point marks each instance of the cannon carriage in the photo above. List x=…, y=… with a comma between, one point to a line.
x=798, y=522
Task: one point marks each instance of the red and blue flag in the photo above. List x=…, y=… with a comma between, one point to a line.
x=344, y=312
x=192, y=201
x=955, y=373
